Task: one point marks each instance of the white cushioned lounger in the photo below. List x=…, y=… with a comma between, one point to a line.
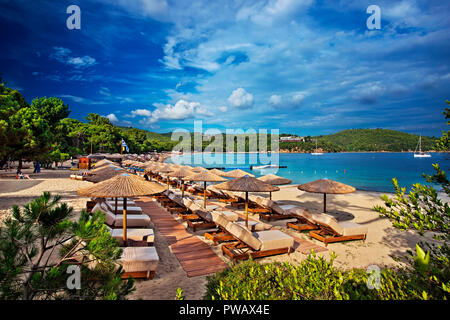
x=116, y=220
x=139, y=262
x=134, y=234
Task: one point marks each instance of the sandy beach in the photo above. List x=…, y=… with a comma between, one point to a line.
x=382, y=244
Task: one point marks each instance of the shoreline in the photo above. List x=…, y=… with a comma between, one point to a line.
x=382, y=244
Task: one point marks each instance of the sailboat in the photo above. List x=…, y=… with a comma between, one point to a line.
x=420, y=154
x=315, y=153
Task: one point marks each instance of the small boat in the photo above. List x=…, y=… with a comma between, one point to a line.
x=267, y=166
x=420, y=154
x=315, y=153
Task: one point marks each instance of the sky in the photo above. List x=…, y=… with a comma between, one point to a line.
x=306, y=67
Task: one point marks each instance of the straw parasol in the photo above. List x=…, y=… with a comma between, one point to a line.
x=124, y=185
x=204, y=176
x=198, y=169
x=104, y=174
x=237, y=173
x=326, y=186
x=164, y=168
x=181, y=173
x=247, y=184
x=218, y=172
x=274, y=180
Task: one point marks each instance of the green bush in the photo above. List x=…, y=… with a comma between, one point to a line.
x=315, y=278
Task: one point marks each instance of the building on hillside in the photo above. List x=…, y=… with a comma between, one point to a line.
x=292, y=138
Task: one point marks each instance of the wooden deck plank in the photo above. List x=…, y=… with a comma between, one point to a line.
x=195, y=257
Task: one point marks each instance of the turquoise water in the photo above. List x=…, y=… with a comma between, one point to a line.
x=364, y=171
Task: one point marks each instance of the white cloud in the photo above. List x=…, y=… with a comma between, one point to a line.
x=181, y=110
x=223, y=109
x=275, y=99
x=105, y=91
x=112, y=117
x=63, y=55
x=141, y=112
x=240, y=98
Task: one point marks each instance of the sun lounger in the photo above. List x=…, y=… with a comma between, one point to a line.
x=231, y=198
x=116, y=220
x=130, y=209
x=139, y=262
x=256, y=244
x=276, y=212
x=219, y=235
x=305, y=220
x=202, y=221
x=145, y=235
x=333, y=231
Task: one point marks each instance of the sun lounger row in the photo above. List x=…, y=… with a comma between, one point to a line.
x=326, y=228
x=138, y=262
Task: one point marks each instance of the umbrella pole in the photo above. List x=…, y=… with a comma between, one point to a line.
x=324, y=203
x=204, y=194
x=182, y=188
x=125, y=221
x=168, y=186
x=115, y=209
x=246, y=210
x=270, y=195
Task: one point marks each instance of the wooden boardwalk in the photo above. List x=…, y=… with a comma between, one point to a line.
x=195, y=256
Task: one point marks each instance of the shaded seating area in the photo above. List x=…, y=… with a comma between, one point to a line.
x=139, y=259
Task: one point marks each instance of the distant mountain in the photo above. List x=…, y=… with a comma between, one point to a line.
x=376, y=140
x=349, y=140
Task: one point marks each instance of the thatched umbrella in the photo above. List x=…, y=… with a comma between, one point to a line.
x=204, y=176
x=326, y=186
x=124, y=185
x=218, y=172
x=164, y=168
x=247, y=184
x=274, y=180
x=181, y=173
x=198, y=169
x=237, y=173
x=104, y=174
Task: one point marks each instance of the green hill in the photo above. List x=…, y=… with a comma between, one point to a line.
x=376, y=140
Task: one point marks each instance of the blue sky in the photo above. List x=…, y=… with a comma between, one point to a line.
x=307, y=66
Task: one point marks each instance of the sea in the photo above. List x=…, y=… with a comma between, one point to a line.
x=369, y=171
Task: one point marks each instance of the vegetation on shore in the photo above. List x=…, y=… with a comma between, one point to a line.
x=41, y=131
x=46, y=255
x=361, y=140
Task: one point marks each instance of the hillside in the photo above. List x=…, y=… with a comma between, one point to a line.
x=350, y=140
x=376, y=140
